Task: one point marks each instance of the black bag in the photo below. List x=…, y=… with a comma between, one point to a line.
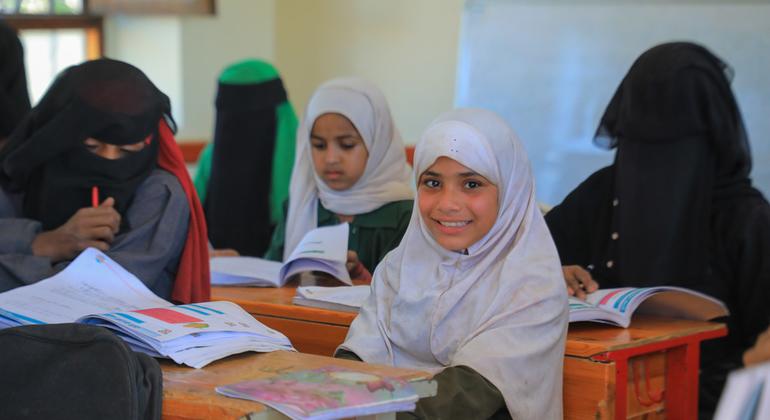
x=74, y=371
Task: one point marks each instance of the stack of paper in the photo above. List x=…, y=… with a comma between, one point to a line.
x=327, y=393
x=96, y=290
x=347, y=299
x=195, y=334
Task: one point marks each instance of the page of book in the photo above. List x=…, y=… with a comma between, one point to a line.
x=322, y=249
x=616, y=305
x=245, y=271
x=92, y=283
x=340, y=298
x=193, y=334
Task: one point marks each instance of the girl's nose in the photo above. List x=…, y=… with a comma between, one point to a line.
x=449, y=201
x=109, y=151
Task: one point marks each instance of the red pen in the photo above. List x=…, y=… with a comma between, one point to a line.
x=95, y=196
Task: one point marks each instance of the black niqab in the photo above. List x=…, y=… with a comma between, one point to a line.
x=237, y=201
x=45, y=158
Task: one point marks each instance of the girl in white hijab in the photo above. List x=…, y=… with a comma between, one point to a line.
x=350, y=166
x=474, y=292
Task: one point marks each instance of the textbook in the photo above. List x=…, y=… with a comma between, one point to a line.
x=327, y=393
x=93, y=289
x=346, y=299
x=616, y=306
x=322, y=249
x=746, y=395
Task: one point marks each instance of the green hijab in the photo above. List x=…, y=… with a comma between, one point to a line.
x=251, y=72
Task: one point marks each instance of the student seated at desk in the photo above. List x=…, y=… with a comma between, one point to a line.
x=677, y=207
x=350, y=167
x=95, y=164
x=14, y=100
x=243, y=174
x=474, y=291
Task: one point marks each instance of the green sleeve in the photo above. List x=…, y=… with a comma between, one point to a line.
x=462, y=394
x=203, y=172
x=275, y=250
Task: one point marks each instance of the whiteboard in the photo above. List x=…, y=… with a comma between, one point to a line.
x=550, y=67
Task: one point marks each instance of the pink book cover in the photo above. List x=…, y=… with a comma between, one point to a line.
x=329, y=392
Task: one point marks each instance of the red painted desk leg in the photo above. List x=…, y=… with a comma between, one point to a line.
x=682, y=381
x=621, y=386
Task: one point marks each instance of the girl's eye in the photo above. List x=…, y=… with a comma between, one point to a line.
x=348, y=145
x=318, y=145
x=472, y=184
x=431, y=183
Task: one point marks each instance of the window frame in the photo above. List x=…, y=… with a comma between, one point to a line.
x=93, y=26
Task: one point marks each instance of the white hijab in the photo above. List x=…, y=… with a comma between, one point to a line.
x=387, y=177
x=502, y=308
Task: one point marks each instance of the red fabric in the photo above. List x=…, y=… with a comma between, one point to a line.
x=193, y=278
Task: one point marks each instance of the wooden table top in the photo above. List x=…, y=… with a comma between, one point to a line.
x=276, y=301
x=584, y=339
x=189, y=393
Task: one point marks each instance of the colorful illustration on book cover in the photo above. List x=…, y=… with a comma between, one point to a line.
x=315, y=391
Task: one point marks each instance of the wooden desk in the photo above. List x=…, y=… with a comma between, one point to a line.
x=649, y=370
x=605, y=367
x=189, y=393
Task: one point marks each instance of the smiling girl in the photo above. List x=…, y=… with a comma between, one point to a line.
x=350, y=167
x=474, y=291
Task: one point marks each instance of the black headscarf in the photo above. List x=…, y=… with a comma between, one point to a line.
x=46, y=159
x=14, y=100
x=237, y=203
x=681, y=151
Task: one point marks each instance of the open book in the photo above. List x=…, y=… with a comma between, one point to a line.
x=322, y=249
x=746, y=395
x=346, y=299
x=94, y=289
x=327, y=393
x=615, y=306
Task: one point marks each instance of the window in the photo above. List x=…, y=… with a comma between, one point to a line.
x=56, y=34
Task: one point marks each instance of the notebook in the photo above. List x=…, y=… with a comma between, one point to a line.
x=94, y=289
x=322, y=249
x=327, y=393
x=616, y=306
x=346, y=299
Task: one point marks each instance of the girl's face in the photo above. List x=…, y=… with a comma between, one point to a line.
x=457, y=205
x=111, y=151
x=339, y=153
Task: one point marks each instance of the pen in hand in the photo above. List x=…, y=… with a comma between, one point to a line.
x=95, y=196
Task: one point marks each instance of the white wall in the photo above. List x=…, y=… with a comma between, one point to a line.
x=151, y=44
x=550, y=68
x=241, y=29
x=407, y=47
x=184, y=55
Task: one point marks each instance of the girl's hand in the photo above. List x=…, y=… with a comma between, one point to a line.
x=358, y=273
x=579, y=281
x=225, y=252
x=760, y=352
x=89, y=227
